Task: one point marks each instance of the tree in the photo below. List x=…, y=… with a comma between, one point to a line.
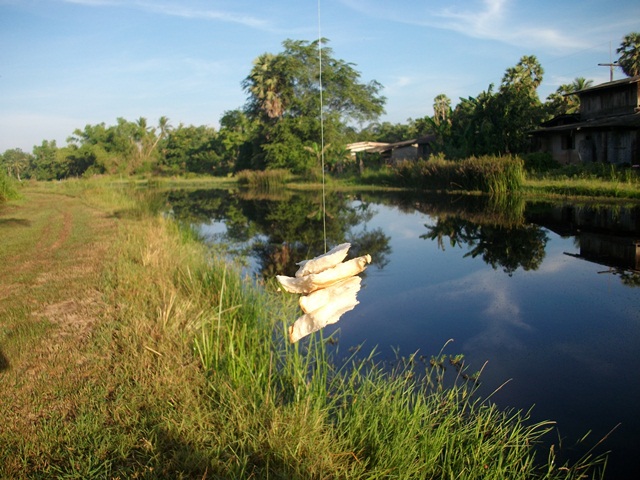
x=192, y=149
x=499, y=123
x=15, y=161
x=520, y=105
x=387, y=132
x=564, y=100
x=45, y=164
x=236, y=130
x=440, y=123
x=284, y=100
x=629, y=51
x=441, y=109
x=268, y=86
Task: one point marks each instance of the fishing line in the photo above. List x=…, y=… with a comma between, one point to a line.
x=324, y=206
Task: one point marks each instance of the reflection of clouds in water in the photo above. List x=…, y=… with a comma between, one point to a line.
x=501, y=314
x=553, y=263
x=401, y=225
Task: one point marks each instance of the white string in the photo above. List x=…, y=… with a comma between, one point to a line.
x=324, y=207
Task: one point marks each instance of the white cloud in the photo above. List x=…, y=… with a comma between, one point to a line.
x=183, y=10
x=487, y=19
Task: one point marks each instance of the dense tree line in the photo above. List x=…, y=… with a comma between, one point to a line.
x=288, y=95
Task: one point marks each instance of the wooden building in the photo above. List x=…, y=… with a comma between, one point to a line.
x=607, y=129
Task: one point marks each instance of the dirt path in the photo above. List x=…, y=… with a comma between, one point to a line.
x=52, y=251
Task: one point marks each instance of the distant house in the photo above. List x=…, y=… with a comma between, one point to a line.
x=607, y=129
x=396, y=152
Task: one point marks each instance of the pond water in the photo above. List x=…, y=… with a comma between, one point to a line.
x=543, y=296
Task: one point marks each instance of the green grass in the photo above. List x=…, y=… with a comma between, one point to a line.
x=493, y=175
x=264, y=179
x=595, y=188
x=188, y=374
x=8, y=189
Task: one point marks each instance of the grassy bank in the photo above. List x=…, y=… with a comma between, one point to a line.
x=145, y=355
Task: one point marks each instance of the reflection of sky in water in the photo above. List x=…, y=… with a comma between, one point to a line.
x=565, y=335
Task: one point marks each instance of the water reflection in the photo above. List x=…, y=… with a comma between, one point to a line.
x=507, y=247
x=279, y=228
x=284, y=227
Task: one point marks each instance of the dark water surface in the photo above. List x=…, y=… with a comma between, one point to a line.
x=547, y=295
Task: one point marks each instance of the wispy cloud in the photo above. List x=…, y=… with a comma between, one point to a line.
x=183, y=10
x=484, y=19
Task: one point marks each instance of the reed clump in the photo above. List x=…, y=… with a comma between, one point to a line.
x=264, y=179
x=488, y=174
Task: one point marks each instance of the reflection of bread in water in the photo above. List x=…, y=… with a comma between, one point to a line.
x=315, y=281
x=323, y=262
x=317, y=299
x=325, y=315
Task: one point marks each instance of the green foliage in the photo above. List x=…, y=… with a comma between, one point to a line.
x=495, y=175
x=284, y=100
x=46, y=163
x=15, y=163
x=629, y=51
x=8, y=190
x=387, y=132
x=193, y=149
x=539, y=162
x=499, y=123
x=263, y=180
x=564, y=100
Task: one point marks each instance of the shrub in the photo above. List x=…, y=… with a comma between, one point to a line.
x=486, y=174
x=539, y=162
x=263, y=179
x=8, y=190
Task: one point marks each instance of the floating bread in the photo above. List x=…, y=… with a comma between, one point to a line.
x=315, y=281
x=329, y=260
x=325, y=315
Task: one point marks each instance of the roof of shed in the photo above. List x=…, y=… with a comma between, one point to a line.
x=615, y=83
x=620, y=121
x=378, y=147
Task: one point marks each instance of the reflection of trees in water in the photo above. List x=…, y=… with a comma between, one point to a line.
x=284, y=229
x=507, y=247
x=628, y=278
x=505, y=210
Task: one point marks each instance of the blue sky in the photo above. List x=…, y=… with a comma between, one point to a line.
x=68, y=63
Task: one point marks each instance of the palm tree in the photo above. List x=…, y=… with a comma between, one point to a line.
x=165, y=128
x=564, y=100
x=629, y=52
x=580, y=83
x=265, y=86
x=441, y=109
